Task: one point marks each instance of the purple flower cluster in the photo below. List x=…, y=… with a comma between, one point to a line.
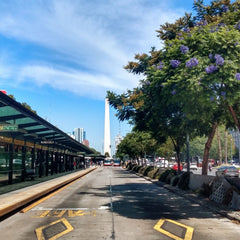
x=160, y=66
x=210, y=69
x=186, y=29
x=213, y=29
x=222, y=24
x=175, y=63
x=174, y=92
x=184, y=49
x=211, y=98
x=237, y=76
x=223, y=94
x=219, y=59
x=201, y=23
x=193, y=62
x=225, y=8
x=237, y=26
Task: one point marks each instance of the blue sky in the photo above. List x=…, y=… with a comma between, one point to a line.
x=62, y=56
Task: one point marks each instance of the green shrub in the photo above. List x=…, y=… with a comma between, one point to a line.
x=205, y=190
x=154, y=173
x=167, y=175
x=136, y=168
x=175, y=181
x=184, y=181
x=130, y=166
x=147, y=170
x=142, y=169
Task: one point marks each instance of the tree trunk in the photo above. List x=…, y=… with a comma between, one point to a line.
x=177, y=149
x=226, y=146
x=219, y=146
x=234, y=117
x=207, y=149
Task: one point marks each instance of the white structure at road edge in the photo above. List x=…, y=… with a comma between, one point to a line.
x=107, y=139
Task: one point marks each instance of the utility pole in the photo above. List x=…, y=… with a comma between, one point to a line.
x=188, y=164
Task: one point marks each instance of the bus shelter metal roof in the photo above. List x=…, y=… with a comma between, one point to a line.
x=18, y=122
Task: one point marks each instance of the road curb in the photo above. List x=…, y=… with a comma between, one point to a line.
x=14, y=201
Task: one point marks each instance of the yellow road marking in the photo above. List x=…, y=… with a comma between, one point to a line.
x=40, y=235
x=44, y=214
x=69, y=213
x=189, y=230
x=56, y=213
x=72, y=213
x=48, y=196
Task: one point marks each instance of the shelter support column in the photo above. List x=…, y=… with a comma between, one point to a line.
x=10, y=170
x=23, y=162
x=47, y=162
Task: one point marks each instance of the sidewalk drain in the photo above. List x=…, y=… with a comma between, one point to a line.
x=174, y=229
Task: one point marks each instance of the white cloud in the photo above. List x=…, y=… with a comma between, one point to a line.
x=81, y=83
x=94, y=38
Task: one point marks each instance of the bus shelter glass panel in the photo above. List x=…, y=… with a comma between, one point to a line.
x=4, y=163
x=28, y=160
x=17, y=165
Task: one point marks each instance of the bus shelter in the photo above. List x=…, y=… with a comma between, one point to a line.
x=28, y=143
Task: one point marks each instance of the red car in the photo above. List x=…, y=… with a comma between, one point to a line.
x=175, y=166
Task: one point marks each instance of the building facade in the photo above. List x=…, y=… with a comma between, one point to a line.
x=79, y=134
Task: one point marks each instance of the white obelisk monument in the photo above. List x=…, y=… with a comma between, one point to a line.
x=107, y=139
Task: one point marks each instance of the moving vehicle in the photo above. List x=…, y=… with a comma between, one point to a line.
x=116, y=163
x=107, y=162
x=227, y=171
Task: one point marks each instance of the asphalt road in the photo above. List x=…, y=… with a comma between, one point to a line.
x=111, y=203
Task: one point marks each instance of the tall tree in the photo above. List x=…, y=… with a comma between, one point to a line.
x=190, y=85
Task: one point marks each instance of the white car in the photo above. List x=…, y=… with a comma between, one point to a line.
x=193, y=166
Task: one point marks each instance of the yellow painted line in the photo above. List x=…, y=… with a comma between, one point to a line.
x=44, y=214
x=79, y=213
x=189, y=230
x=57, y=213
x=48, y=196
x=40, y=235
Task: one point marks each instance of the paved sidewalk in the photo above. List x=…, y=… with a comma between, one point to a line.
x=15, y=199
x=199, y=199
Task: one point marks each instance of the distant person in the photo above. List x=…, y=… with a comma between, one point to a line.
x=210, y=167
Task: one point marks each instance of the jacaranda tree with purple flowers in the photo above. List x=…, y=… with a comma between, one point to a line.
x=192, y=84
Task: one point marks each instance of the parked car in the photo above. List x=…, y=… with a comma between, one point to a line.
x=193, y=166
x=175, y=166
x=227, y=171
x=162, y=163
